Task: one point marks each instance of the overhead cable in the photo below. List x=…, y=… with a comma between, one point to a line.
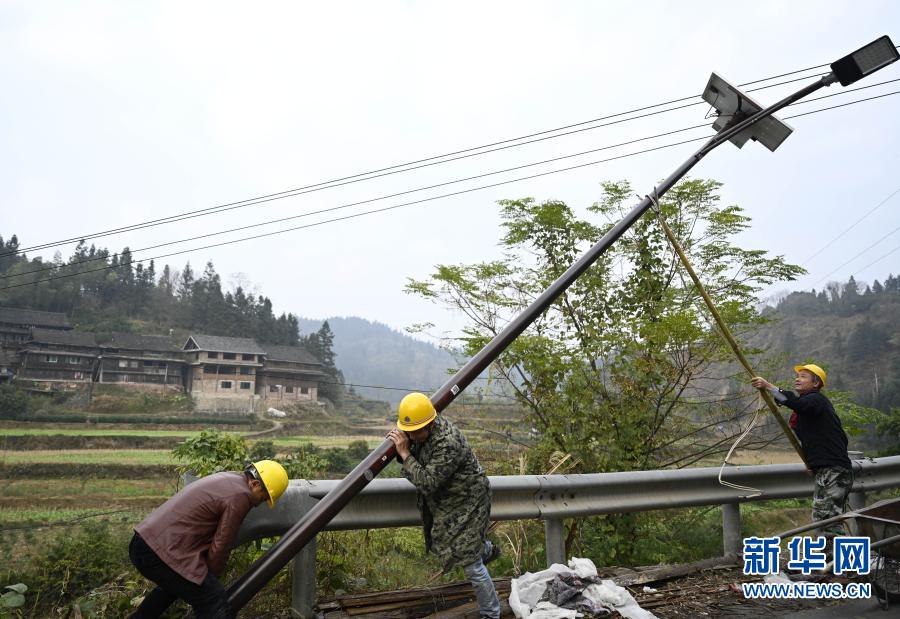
x=414, y=202
x=424, y=188
x=406, y=167
x=851, y=226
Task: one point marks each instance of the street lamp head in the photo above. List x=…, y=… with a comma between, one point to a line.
x=864, y=61
x=733, y=106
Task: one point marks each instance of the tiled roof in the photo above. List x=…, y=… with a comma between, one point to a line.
x=33, y=318
x=218, y=343
x=67, y=338
x=131, y=341
x=290, y=353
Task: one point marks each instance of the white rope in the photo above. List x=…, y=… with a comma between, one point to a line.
x=754, y=491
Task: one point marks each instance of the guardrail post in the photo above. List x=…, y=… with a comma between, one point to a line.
x=855, y=500
x=303, y=582
x=732, y=542
x=554, y=541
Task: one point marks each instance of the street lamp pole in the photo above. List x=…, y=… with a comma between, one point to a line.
x=864, y=61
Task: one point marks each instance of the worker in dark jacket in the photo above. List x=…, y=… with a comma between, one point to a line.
x=822, y=437
x=183, y=545
x=453, y=494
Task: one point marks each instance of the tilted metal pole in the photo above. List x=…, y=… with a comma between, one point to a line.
x=264, y=568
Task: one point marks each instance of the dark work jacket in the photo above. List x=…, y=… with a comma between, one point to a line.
x=193, y=531
x=819, y=429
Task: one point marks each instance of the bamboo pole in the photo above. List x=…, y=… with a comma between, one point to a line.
x=724, y=330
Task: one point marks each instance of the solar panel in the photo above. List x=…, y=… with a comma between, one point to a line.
x=733, y=106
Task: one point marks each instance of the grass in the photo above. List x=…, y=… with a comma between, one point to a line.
x=765, y=456
x=89, y=456
x=92, y=432
x=87, y=487
x=48, y=516
x=282, y=442
x=292, y=442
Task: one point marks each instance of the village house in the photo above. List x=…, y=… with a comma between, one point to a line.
x=6, y=365
x=222, y=374
x=16, y=324
x=149, y=361
x=290, y=373
x=222, y=366
x=65, y=359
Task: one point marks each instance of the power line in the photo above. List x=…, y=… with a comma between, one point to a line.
x=346, y=217
x=395, y=169
x=860, y=254
x=418, y=189
x=361, y=202
x=411, y=203
x=411, y=389
x=878, y=259
x=850, y=227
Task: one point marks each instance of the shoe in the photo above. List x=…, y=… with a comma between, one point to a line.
x=493, y=554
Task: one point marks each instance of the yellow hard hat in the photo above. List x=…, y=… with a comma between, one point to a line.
x=416, y=411
x=273, y=477
x=812, y=367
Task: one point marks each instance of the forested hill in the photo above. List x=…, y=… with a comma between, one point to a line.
x=104, y=291
x=853, y=332
x=371, y=353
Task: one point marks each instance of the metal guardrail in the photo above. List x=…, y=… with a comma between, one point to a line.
x=552, y=498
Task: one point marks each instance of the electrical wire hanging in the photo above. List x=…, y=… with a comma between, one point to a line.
x=408, y=166
x=393, y=207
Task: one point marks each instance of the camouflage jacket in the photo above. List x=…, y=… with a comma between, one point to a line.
x=453, y=494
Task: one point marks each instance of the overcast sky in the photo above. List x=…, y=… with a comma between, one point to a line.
x=115, y=113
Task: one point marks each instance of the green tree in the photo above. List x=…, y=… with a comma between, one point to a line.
x=321, y=345
x=866, y=341
x=613, y=372
x=611, y=360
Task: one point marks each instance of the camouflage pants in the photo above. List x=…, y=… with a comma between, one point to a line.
x=832, y=487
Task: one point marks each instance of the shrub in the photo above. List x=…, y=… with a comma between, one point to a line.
x=357, y=450
x=338, y=460
x=13, y=403
x=306, y=462
x=71, y=565
x=262, y=450
x=212, y=451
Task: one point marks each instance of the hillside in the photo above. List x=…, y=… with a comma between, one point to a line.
x=853, y=333
x=371, y=353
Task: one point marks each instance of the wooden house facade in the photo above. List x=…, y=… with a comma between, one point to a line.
x=222, y=366
x=16, y=324
x=290, y=373
x=152, y=361
x=7, y=361
x=56, y=356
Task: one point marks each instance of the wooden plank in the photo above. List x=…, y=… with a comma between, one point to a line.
x=381, y=597
x=672, y=571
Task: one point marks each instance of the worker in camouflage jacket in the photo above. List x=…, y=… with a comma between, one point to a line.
x=452, y=492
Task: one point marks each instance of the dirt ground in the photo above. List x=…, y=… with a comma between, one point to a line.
x=712, y=593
